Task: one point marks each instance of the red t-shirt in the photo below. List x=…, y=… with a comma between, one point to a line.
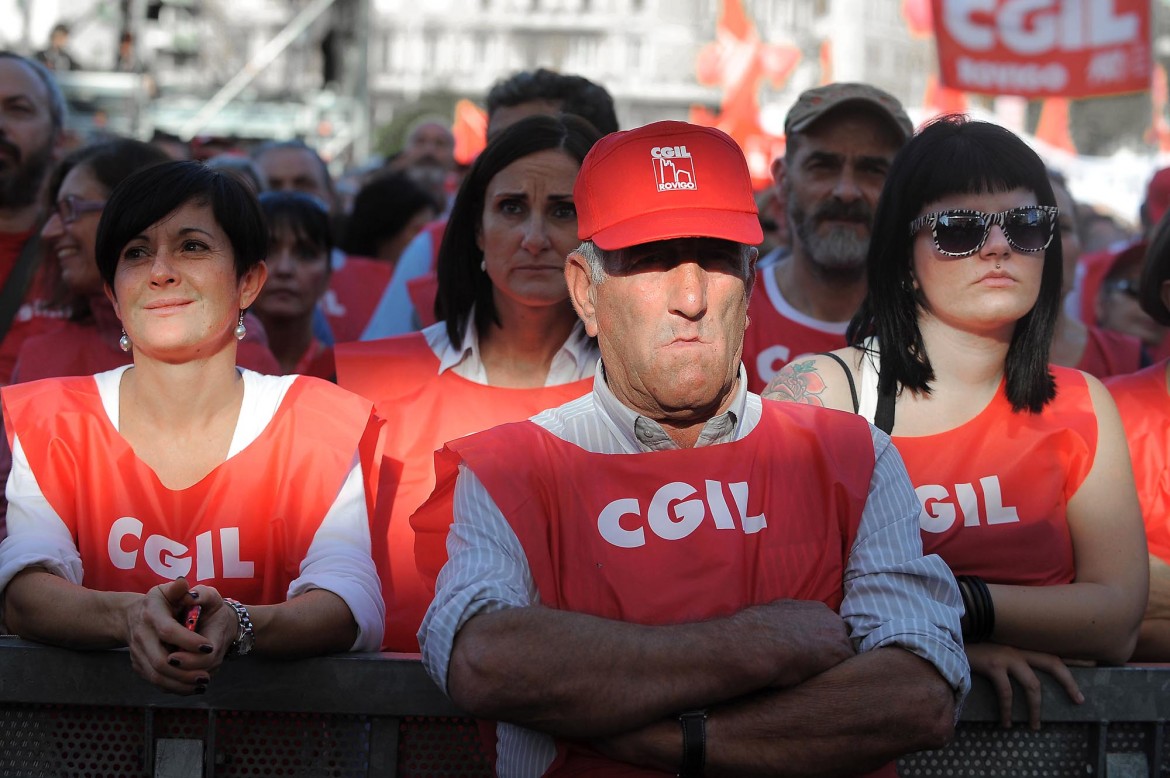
x=1109, y=353
x=778, y=332
x=31, y=319
x=1144, y=405
x=354, y=291
x=995, y=490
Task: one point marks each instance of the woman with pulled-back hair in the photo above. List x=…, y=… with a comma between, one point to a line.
x=1021, y=467
x=507, y=344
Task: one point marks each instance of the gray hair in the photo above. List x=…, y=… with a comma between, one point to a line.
x=599, y=258
x=57, y=107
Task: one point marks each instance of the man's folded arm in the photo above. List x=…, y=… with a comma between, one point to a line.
x=501, y=655
x=851, y=719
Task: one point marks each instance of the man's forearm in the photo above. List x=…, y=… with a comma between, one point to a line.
x=853, y=718
x=579, y=676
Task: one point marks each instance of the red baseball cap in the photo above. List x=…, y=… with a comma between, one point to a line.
x=665, y=180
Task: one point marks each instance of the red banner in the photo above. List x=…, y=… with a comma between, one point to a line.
x=1044, y=48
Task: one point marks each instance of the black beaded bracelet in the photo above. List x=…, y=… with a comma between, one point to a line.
x=979, y=608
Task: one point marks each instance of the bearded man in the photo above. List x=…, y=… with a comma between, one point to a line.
x=841, y=139
x=32, y=118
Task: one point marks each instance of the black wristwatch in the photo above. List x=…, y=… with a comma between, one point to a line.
x=694, y=734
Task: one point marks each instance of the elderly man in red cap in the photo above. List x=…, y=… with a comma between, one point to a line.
x=743, y=589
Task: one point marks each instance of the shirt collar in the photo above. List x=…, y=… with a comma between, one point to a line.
x=578, y=349
x=469, y=348
x=641, y=433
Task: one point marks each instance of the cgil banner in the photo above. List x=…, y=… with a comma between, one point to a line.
x=1044, y=48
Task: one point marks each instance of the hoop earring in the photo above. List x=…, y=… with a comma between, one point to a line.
x=124, y=341
x=241, y=330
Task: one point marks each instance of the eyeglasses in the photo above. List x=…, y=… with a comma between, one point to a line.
x=961, y=232
x=70, y=208
x=1124, y=285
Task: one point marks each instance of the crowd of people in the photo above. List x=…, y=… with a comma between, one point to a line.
x=656, y=480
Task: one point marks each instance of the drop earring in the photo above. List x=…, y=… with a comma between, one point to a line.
x=483, y=266
x=124, y=341
x=241, y=330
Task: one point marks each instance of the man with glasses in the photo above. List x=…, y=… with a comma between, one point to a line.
x=669, y=572
x=32, y=118
x=841, y=139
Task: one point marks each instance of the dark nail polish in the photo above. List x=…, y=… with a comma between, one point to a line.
x=206, y=649
x=173, y=662
x=200, y=689
x=202, y=680
x=194, y=594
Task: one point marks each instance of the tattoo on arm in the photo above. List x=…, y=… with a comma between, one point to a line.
x=797, y=382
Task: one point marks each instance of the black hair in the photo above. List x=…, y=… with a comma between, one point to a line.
x=953, y=155
x=147, y=196
x=302, y=215
x=573, y=94
x=1156, y=271
x=461, y=283
x=109, y=163
x=382, y=209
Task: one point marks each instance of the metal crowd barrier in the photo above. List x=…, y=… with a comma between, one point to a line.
x=87, y=714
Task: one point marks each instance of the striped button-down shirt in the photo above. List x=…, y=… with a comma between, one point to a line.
x=894, y=596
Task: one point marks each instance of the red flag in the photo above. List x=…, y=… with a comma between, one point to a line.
x=919, y=19
x=1053, y=126
x=470, y=131
x=1044, y=48
x=939, y=100
x=738, y=61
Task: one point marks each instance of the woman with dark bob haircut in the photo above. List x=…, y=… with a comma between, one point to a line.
x=1143, y=399
x=143, y=499
x=1021, y=467
x=507, y=344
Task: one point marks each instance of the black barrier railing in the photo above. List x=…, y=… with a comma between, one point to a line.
x=72, y=713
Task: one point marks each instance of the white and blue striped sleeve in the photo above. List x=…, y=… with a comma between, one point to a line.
x=895, y=596
x=486, y=571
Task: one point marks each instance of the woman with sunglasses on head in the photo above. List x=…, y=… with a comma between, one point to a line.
x=1143, y=399
x=1021, y=468
x=89, y=341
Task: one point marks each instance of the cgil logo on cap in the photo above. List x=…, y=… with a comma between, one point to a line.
x=673, y=168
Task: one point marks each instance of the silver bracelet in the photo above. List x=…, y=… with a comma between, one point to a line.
x=245, y=634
